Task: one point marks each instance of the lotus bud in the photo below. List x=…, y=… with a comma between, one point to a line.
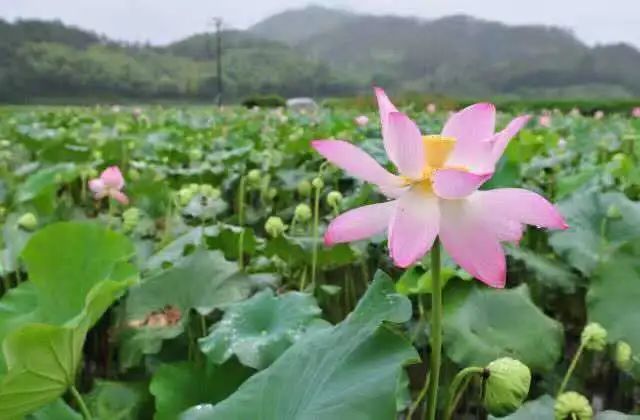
x=302, y=213
x=624, y=356
x=130, y=219
x=334, y=198
x=184, y=196
x=195, y=154
x=506, y=387
x=272, y=193
x=317, y=183
x=304, y=188
x=133, y=174
x=209, y=191
x=432, y=108
x=362, y=120
x=28, y=221
x=274, y=226
x=254, y=177
x=594, y=337
x=613, y=212
x=572, y=405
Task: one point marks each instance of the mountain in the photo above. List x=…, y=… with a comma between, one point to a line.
x=48, y=60
x=294, y=26
x=317, y=51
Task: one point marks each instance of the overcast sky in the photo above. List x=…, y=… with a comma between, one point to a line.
x=162, y=21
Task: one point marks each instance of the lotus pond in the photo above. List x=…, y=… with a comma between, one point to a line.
x=207, y=292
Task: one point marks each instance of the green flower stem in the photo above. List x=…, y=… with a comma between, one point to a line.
x=241, y=189
x=458, y=386
x=421, y=396
x=316, y=217
x=83, y=407
x=436, y=331
x=110, y=213
x=572, y=367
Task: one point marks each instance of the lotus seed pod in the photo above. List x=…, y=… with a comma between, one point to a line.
x=613, y=212
x=302, y=213
x=304, y=188
x=28, y=221
x=274, y=226
x=317, y=183
x=572, y=405
x=334, y=198
x=507, y=386
x=594, y=337
x=624, y=356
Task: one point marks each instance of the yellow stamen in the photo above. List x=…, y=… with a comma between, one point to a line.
x=437, y=150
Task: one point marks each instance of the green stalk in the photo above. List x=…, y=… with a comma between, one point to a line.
x=83, y=407
x=436, y=331
x=457, y=388
x=572, y=367
x=241, y=189
x=314, y=257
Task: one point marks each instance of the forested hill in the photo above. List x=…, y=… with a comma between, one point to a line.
x=319, y=52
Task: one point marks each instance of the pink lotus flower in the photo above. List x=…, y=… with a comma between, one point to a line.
x=436, y=193
x=636, y=112
x=362, y=120
x=545, y=120
x=109, y=184
x=431, y=108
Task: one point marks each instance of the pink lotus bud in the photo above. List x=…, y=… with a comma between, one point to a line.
x=636, y=112
x=362, y=120
x=598, y=115
x=545, y=120
x=432, y=108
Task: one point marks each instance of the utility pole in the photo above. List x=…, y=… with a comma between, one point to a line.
x=217, y=21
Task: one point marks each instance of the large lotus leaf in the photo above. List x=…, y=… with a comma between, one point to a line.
x=539, y=409
x=615, y=415
x=349, y=371
x=80, y=288
x=66, y=260
x=46, y=181
x=299, y=250
x=117, y=400
x=14, y=239
x=613, y=296
x=551, y=273
x=592, y=236
x=17, y=308
x=259, y=329
x=178, y=386
x=41, y=361
x=171, y=253
x=57, y=410
x=226, y=239
x=483, y=324
x=203, y=281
